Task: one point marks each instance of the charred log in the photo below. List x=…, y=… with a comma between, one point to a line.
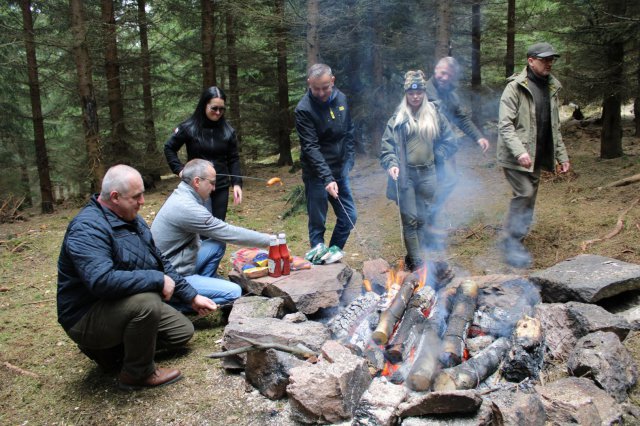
x=426, y=362
x=345, y=323
x=458, y=324
x=408, y=333
x=468, y=375
x=527, y=352
x=390, y=317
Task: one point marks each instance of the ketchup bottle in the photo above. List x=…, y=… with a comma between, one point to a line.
x=275, y=260
x=284, y=254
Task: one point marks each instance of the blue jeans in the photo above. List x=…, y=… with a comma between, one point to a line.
x=206, y=281
x=318, y=200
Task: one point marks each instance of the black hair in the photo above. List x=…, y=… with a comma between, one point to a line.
x=194, y=124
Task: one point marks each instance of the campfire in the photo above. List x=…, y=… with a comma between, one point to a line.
x=392, y=344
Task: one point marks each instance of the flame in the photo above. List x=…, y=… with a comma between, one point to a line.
x=367, y=284
x=422, y=274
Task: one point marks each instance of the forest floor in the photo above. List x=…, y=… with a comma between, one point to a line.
x=44, y=379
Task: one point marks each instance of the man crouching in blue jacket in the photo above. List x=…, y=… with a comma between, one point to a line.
x=112, y=281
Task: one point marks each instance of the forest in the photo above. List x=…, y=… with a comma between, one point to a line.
x=89, y=84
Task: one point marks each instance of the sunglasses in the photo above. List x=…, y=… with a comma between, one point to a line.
x=216, y=109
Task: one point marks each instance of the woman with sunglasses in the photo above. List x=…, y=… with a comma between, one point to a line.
x=207, y=135
x=414, y=136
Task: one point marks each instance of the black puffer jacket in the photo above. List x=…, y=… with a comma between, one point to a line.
x=104, y=257
x=216, y=143
x=326, y=136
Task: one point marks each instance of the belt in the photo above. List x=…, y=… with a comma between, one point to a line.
x=421, y=167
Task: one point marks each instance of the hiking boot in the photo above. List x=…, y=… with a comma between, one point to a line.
x=160, y=377
x=515, y=253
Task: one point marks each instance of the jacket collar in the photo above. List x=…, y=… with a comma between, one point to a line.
x=187, y=190
x=521, y=79
x=114, y=220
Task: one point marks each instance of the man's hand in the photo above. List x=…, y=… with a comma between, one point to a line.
x=237, y=194
x=524, y=160
x=484, y=144
x=332, y=189
x=203, y=305
x=167, y=289
x=564, y=167
x=394, y=172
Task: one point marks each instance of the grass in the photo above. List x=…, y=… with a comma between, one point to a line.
x=68, y=388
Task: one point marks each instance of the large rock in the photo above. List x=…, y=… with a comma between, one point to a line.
x=627, y=305
x=486, y=415
x=307, y=291
x=309, y=334
x=565, y=323
x=602, y=357
x=586, y=278
x=257, y=307
x=378, y=404
x=328, y=392
x=518, y=406
x=576, y=400
x=451, y=402
x=268, y=371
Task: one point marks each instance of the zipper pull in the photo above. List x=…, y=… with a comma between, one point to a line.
x=332, y=114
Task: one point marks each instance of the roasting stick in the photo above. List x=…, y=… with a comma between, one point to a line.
x=270, y=182
x=400, y=217
x=353, y=226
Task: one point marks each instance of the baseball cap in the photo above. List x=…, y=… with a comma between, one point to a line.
x=541, y=50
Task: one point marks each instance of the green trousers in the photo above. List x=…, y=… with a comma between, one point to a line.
x=140, y=323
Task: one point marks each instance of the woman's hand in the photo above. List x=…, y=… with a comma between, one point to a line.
x=237, y=194
x=394, y=172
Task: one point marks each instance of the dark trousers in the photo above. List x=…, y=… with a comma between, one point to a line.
x=139, y=323
x=318, y=200
x=219, y=200
x=524, y=186
x=415, y=209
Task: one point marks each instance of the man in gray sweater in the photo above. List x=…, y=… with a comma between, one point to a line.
x=183, y=219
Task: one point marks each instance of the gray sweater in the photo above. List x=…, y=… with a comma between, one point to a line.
x=183, y=218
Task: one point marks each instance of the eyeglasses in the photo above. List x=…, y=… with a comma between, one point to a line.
x=216, y=108
x=211, y=181
x=548, y=60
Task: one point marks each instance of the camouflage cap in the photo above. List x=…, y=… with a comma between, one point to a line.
x=415, y=80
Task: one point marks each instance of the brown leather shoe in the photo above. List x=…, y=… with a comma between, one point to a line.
x=160, y=377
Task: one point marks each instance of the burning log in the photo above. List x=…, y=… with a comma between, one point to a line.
x=426, y=362
x=458, y=323
x=526, y=355
x=409, y=331
x=393, y=314
x=345, y=323
x=468, y=375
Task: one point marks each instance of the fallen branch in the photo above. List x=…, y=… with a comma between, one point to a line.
x=623, y=182
x=615, y=231
x=35, y=302
x=255, y=345
x=19, y=370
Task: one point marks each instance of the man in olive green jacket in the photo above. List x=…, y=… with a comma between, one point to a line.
x=529, y=141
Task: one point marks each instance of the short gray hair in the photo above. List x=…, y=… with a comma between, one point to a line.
x=195, y=168
x=451, y=63
x=318, y=70
x=118, y=178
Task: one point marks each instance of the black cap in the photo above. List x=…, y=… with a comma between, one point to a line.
x=541, y=50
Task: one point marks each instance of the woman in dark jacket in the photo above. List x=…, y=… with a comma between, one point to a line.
x=208, y=136
x=415, y=135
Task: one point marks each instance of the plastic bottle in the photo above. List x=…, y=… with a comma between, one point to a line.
x=275, y=260
x=284, y=254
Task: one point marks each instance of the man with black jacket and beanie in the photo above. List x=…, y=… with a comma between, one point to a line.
x=327, y=155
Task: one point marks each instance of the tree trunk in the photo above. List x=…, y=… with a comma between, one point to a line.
x=476, y=76
x=443, y=31
x=313, y=33
x=208, y=45
x=147, y=99
x=378, y=81
x=611, y=137
x=234, y=87
x=636, y=102
x=87, y=96
x=119, y=151
x=42, y=160
x=509, y=59
x=284, y=119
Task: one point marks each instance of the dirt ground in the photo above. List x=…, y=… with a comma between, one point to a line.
x=44, y=379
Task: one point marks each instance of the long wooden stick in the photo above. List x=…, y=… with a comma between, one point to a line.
x=19, y=370
x=615, y=231
x=255, y=345
x=623, y=182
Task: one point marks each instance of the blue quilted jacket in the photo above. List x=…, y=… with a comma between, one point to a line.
x=104, y=257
